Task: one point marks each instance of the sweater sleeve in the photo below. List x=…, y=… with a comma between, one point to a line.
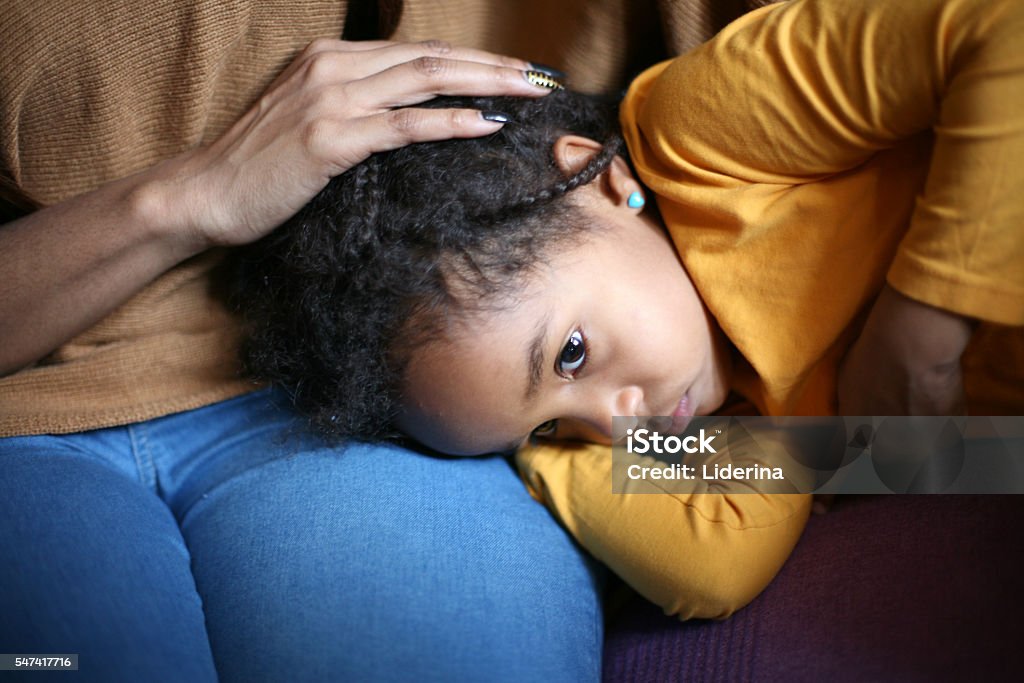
x=700, y=554
x=807, y=90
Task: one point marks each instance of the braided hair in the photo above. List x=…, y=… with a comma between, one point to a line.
x=337, y=298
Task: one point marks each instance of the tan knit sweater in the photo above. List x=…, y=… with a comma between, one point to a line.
x=92, y=92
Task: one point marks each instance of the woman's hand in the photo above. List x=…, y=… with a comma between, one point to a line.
x=333, y=106
x=906, y=360
x=71, y=263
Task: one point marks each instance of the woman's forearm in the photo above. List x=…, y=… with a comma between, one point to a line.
x=67, y=266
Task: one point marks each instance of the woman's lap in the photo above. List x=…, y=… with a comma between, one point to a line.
x=95, y=565
x=366, y=563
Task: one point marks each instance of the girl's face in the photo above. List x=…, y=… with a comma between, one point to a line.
x=611, y=326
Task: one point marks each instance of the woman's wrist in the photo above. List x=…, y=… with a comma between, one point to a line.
x=164, y=205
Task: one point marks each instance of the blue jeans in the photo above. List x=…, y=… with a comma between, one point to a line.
x=229, y=542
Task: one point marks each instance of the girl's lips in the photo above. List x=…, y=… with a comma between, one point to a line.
x=682, y=414
x=683, y=408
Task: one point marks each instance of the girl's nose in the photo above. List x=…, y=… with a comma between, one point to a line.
x=622, y=402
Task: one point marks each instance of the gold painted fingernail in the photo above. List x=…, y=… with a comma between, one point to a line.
x=542, y=80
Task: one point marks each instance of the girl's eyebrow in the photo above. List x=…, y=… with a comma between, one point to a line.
x=535, y=357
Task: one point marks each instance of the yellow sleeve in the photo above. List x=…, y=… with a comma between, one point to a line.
x=811, y=89
x=697, y=555
x=964, y=251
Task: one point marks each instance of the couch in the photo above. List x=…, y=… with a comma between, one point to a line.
x=881, y=588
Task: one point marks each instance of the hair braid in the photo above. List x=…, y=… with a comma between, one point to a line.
x=597, y=165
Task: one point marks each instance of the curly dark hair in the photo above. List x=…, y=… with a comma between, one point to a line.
x=375, y=257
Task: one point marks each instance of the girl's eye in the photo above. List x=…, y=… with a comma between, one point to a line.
x=546, y=429
x=574, y=354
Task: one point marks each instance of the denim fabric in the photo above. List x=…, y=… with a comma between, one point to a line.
x=228, y=541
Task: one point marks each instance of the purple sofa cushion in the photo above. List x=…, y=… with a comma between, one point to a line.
x=901, y=588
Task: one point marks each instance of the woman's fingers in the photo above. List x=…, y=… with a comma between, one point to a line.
x=334, y=141
x=336, y=104
x=426, y=77
x=327, y=61
x=389, y=92
x=365, y=81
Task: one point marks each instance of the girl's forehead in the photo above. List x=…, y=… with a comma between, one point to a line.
x=464, y=392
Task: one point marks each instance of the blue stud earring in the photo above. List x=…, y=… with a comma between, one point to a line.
x=636, y=200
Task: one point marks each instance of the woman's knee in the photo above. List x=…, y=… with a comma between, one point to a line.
x=94, y=564
x=396, y=563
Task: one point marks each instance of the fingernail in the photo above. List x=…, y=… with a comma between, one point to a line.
x=556, y=74
x=542, y=80
x=496, y=116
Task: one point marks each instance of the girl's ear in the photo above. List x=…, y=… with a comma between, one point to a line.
x=573, y=152
x=617, y=184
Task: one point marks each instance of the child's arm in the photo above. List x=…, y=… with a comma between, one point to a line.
x=696, y=555
x=796, y=95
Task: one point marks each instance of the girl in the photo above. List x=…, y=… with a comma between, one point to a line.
x=836, y=186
